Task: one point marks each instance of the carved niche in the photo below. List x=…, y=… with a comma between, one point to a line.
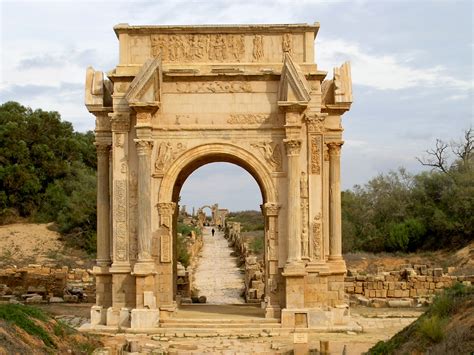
x=271, y=153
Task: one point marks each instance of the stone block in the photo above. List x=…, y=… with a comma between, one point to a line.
x=145, y=318
x=98, y=315
x=35, y=299
x=437, y=272
x=124, y=317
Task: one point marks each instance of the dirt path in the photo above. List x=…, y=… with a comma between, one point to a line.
x=217, y=276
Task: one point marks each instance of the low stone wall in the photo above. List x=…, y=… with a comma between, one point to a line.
x=42, y=284
x=254, y=268
x=185, y=276
x=411, y=285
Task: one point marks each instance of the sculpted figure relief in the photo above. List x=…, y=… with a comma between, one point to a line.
x=204, y=47
x=317, y=237
x=166, y=153
x=271, y=153
x=213, y=86
x=286, y=43
x=257, y=47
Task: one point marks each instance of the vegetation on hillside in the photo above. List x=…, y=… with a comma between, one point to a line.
x=399, y=211
x=445, y=328
x=249, y=220
x=27, y=330
x=47, y=173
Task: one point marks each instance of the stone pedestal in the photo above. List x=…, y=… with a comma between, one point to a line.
x=145, y=318
x=98, y=315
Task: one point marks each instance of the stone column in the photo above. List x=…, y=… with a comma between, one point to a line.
x=293, y=147
x=103, y=205
x=144, y=147
x=335, y=235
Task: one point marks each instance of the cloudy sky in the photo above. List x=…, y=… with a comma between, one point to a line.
x=412, y=71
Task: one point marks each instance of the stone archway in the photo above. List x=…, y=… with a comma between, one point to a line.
x=203, y=154
x=184, y=96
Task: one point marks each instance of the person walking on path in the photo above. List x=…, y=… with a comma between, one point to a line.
x=213, y=231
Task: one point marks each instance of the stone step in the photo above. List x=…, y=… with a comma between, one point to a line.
x=215, y=324
x=222, y=332
x=239, y=321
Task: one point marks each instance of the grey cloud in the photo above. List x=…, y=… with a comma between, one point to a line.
x=69, y=92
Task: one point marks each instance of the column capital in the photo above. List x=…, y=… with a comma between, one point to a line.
x=335, y=147
x=271, y=209
x=315, y=121
x=144, y=146
x=166, y=208
x=120, y=121
x=293, y=146
x=102, y=148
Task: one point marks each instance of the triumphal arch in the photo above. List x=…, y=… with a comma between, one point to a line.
x=184, y=96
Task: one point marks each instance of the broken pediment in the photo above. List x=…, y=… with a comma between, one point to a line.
x=145, y=89
x=338, y=91
x=98, y=92
x=294, y=88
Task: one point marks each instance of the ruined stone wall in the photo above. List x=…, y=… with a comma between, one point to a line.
x=410, y=286
x=47, y=282
x=254, y=268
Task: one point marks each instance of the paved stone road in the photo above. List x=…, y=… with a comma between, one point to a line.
x=217, y=276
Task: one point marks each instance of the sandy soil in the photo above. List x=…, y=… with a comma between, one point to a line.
x=30, y=243
x=461, y=261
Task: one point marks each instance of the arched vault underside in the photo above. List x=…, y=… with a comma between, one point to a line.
x=185, y=96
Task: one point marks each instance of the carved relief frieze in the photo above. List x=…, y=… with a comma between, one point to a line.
x=119, y=138
x=198, y=47
x=133, y=212
x=166, y=153
x=287, y=43
x=317, y=238
x=166, y=211
x=212, y=87
x=257, y=52
x=271, y=153
x=316, y=154
x=251, y=118
x=304, y=204
x=120, y=219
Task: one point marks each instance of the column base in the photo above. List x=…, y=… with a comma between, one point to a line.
x=98, y=315
x=113, y=317
x=145, y=318
x=272, y=311
x=337, y=265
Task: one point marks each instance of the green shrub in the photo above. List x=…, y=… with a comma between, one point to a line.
x=257, y=245
x=22, y=316
x=432, y=328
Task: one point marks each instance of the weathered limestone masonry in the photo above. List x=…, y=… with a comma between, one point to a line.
x=47, y=282
x=184, y=96
x=415, y=284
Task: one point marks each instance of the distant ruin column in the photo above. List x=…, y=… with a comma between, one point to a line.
x=103, y=204
x=293, y=147
x=144, y=147
x=335, y=235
